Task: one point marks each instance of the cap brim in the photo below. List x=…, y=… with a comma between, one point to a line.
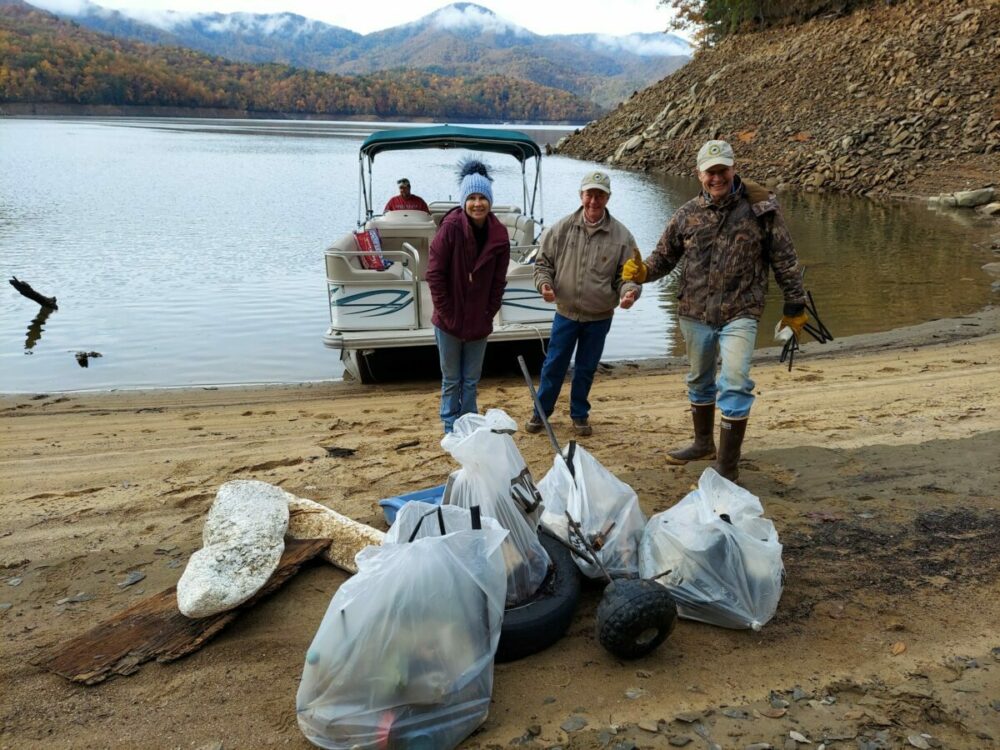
x=715, y=162
x=595, y=186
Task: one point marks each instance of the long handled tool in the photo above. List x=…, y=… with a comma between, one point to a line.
x=545, y=420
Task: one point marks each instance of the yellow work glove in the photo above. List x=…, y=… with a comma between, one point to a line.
x=634, y=269
x=795, y=322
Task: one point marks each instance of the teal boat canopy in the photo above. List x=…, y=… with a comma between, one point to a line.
x=512, y=142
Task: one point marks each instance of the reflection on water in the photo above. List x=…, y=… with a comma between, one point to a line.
x=36, y=327
x=191, y=251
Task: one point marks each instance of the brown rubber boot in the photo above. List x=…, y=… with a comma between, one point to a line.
x=703, y=447
x=731, y=434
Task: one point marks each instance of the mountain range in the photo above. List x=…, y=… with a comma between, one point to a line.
x=461, y=39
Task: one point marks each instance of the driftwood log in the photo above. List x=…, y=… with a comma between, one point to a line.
x=345, y=536
x=155, y=629
x=25, y=289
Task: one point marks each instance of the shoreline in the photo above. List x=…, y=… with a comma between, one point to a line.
x=959, y=328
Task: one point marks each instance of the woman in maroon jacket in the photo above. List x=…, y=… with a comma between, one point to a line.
x=466, y=273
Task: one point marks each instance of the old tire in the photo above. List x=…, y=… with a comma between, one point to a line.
x=537, y=624
x=634, y=617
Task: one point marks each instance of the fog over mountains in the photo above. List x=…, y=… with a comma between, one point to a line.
x=462, y=39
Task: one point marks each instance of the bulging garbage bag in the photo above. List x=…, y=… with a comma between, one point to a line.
x=495, y=477
x=606, y=508
x=404, y=654
x=723, y=556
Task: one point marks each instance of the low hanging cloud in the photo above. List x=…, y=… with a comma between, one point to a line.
x=645, y=45
x=475, y=18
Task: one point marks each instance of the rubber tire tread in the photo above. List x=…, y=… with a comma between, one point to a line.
x=629, y=608
x=535, y=626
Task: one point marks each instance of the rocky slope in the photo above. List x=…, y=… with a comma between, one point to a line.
x=897, y=99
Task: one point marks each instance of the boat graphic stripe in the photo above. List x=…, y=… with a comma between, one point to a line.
x=399, y=299
x=517, y=298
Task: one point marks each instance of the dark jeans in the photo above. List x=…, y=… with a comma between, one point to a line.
x=588, y=340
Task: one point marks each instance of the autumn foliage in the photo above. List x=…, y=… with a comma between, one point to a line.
x=46, y=60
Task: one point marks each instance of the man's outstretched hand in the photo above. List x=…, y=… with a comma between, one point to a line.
x=634, y=269
x=548, y=293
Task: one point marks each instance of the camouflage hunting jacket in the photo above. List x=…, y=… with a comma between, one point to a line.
x=726, y=249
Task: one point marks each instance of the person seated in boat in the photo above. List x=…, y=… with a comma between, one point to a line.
x=466, y=275
x=406, y=201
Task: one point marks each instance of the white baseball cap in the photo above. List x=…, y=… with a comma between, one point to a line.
x=714, y=153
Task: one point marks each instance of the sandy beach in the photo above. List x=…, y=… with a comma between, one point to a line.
x=877, y=458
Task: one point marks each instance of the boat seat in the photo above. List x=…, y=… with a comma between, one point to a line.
x=520, y=228
x=397, y=227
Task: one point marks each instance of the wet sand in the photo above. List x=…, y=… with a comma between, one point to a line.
x=877, y=458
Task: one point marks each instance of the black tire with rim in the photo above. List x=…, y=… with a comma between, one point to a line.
x=537, y=624
x=634, y=617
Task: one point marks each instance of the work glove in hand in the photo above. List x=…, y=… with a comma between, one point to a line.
x=634, y=269
x=795, y=322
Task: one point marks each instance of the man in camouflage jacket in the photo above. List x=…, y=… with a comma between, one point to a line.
x=725, y=241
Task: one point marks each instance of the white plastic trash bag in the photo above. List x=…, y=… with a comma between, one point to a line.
x=606, y=508
x=404, y=655
x=495, y=477
x=723, y=556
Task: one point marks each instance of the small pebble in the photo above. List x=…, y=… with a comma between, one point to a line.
x=534, y=730
x=633, y=693
x=688, y=717
x=643, y=674
x=649, y=726
x=759, y=746
x=14, y=581
x=132, y=578
x=4, y=606
x=573, y=724
x=76, y=598
x=679, y=740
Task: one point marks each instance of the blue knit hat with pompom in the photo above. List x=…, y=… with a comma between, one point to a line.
x=475, y=178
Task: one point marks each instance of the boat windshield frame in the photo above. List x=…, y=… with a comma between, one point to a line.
x=492, y=140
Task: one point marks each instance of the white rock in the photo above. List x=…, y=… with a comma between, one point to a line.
x=973, y=198
x=243, y=541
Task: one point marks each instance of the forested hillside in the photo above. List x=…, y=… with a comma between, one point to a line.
x=46, y=60
x=884, y=98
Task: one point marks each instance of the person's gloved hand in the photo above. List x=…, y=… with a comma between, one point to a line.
x=634, y=269
x=794, y=320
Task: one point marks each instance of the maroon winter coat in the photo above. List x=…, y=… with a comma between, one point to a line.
x=467, y=290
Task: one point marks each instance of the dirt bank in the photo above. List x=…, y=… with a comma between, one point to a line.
x=899, y=98
x=877, y=461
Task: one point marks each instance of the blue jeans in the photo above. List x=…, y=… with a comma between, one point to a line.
x=588, y=340
x=732, y=390
x=461, y=368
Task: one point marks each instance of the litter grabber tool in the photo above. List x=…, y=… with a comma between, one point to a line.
x=786, y=333
x=541, y=414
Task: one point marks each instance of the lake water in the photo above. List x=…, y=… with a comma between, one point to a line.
x=190, y=252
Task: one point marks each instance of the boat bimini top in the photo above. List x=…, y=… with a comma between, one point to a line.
x=493, y=140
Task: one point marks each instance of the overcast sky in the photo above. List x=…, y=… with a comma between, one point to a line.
x=540, y=16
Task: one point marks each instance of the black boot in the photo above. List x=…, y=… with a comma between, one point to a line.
x=703, y=447
x=731, y=434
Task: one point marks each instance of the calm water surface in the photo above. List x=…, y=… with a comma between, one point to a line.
x=190, y=252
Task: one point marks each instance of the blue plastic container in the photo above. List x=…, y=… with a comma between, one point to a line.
x=391, y=505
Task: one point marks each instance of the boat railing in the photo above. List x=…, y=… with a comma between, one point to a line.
x=524, y=254
x=344, y=268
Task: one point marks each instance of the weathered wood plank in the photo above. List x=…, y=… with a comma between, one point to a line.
x=155, y=629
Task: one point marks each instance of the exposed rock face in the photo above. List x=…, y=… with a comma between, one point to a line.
x=243, y=541
x=892, y=99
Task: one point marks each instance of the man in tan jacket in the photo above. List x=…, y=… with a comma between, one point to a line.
x=579, y=268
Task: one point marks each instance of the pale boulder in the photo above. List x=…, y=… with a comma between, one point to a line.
x=243, y=541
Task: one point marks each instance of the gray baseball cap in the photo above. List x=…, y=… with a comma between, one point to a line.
x=714, y=153
x=596, y=180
